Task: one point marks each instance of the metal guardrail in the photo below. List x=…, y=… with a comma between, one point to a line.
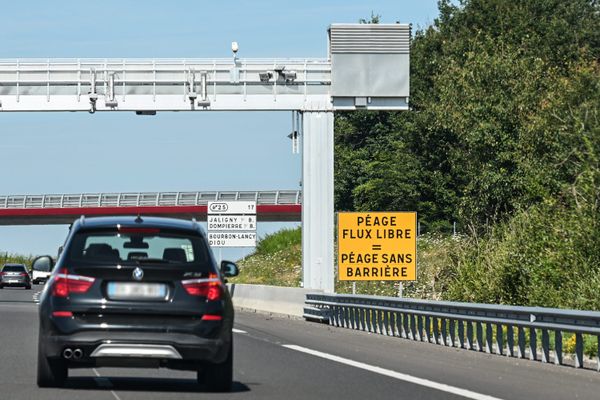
x=488, y=328
x=274, y=197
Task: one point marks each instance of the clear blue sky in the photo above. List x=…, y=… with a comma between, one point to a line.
x=46, y=153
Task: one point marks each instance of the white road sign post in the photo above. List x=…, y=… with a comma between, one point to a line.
x=232, y=223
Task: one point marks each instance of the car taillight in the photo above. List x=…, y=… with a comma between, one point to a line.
x=23, y=274
x=65, y=284
x=64, y=314
x=212, y=317
x=210, y=287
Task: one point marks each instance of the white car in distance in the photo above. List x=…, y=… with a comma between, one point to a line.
x=42, y=268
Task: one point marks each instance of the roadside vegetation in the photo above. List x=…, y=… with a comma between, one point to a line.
x=276, y=261
x=6, y=258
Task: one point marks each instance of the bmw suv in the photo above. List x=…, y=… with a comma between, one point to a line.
x=137, y=292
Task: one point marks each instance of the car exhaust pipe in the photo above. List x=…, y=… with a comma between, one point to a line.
x=77, y=354
x=67, y=353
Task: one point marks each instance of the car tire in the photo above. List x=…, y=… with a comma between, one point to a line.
x=28, y=287
x=218, y=377
x=50, y=372
x=1, y=287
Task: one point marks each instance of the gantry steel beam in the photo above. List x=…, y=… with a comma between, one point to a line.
x=162, y=85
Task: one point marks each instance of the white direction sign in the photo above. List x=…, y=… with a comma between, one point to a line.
x=232, y=239
x=231, y=207
x=231, y=222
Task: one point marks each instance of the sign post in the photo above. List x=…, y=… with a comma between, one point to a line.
x=377, y=246
x=232, y=223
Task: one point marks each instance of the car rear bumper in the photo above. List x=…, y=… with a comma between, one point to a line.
x=40, y=278
x=20, y=282
x=189, y=348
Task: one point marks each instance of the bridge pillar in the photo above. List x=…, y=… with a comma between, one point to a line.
x=317, y=200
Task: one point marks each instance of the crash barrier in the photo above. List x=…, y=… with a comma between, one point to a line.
x=286, y=301
x=487, y=328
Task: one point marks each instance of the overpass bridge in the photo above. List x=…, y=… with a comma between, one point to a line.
x=272, y=206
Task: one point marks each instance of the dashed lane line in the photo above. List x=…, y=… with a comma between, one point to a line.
x=104, y=383
x=36, y=296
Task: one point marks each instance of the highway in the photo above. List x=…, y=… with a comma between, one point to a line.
x=278, y=358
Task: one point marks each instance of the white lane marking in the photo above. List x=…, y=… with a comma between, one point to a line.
x=36, y=297
x=104, y=382
x=393, y=374
x=238, y=331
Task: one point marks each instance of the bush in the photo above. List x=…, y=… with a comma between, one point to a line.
x=547, y=255
x=15, y=258
x=276, y=261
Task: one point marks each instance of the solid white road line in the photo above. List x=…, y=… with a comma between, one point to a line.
x=393, y=374
x=238, y=331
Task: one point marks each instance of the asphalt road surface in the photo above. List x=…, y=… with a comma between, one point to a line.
x=278, y=358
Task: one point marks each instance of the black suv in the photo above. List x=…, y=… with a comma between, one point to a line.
x=137, y=292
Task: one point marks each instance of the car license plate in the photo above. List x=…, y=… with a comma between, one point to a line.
x=136, y=291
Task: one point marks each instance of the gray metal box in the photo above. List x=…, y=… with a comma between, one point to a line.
x=369, y=60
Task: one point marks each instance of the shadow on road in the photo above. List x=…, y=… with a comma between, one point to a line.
x=144, y=384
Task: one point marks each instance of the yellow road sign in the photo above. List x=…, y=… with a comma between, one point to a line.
x=377, y=246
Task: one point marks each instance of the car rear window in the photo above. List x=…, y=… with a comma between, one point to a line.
x=13, y=268
x=42, y=265
x=145, y=245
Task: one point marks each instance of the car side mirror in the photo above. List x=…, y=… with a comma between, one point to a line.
x=42, y=263
x=229, y=269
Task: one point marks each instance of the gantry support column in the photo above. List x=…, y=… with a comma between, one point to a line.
x=317, y=200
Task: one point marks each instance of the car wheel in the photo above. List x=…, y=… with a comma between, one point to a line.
x=217, y=377
x=50, y=372
x=28, y=287
x=1, y=287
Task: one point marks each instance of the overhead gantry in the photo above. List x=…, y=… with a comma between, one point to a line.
x=367, y=68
